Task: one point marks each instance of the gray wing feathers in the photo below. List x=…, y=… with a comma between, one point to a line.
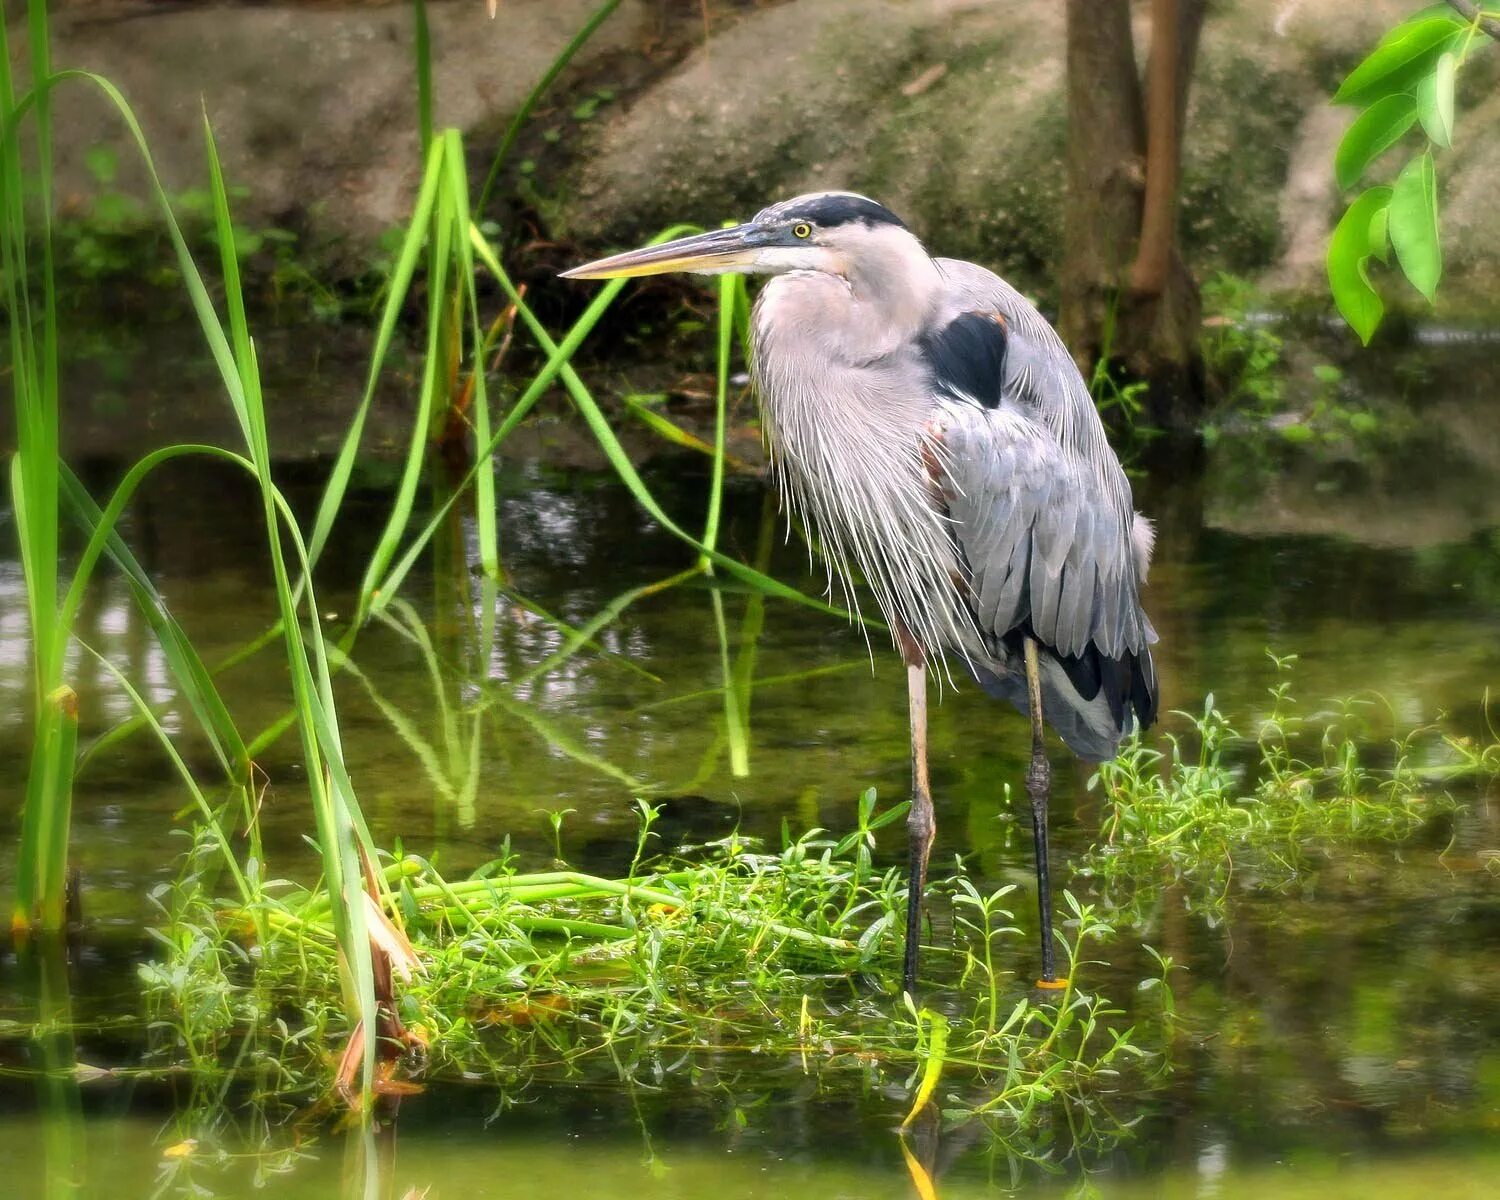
x=1041, y=545
x=1042, y=509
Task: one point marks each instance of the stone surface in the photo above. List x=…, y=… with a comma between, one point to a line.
x=811, y=94
x=951, y=111
x=314, y=108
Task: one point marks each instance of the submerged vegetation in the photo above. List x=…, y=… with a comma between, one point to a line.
x=1192, y=817
x=734, y=948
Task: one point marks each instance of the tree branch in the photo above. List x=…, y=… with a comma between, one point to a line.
x=1468, y=10
x=1159, y=215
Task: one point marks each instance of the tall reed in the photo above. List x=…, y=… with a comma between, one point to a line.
x=442, y=236
x=37, y=481
x=31, y=306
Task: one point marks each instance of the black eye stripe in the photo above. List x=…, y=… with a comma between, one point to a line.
x=831, y=211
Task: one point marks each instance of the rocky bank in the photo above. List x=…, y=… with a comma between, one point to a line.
x=951, y=111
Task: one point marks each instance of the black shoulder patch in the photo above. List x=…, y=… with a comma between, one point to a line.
x=827, y=210
x=967, y=357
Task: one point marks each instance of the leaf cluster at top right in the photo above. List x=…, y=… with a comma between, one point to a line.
x=1406, y=82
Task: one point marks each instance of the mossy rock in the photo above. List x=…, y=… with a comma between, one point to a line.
x=818, y=94
x=1242, y=125
x=846, y=94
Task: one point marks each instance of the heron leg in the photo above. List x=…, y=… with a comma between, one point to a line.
x=920, y=823
x=1038, y=787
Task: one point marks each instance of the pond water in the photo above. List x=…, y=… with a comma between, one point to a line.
x=1338, y=1033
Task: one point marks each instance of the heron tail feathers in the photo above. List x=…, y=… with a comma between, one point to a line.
x=1092, y=701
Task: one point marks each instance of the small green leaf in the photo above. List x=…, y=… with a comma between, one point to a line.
x=1354, y=241
x=1402, y=57
x=1374, y=132
x=102, y=163
x=1435, y=100
x=1414, y=227
x=1380, y=239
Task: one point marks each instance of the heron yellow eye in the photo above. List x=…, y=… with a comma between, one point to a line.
x=802, y=230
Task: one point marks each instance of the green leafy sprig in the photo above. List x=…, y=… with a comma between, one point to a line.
x=1407, y=82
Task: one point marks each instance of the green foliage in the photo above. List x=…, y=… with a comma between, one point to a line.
x=1413, y=225
x=1407, y=80
x=1374, y=132
x=526, y=978
x=1405, y=56
x=1435, y=100
x=1259, y=398
x=1231, y=805
x=30, y=298
x=1360, y=236
x=1242, y=352
x=112, y=236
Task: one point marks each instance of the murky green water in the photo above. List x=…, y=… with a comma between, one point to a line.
x=1338, y=1035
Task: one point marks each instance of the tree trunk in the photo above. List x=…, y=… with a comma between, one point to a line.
x=1127, y=293
x=1106, y=172
x=1160, y=322
x=1153, y=259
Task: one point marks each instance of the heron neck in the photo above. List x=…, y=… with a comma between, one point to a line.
x=878, y=294
x=897, y=285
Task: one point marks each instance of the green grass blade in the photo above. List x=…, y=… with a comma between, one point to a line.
x=407, y=259
x=518, y=411
x=206, y=812
x=41, y=872
x=721, y=400
x=433, y=380
x=484, y=481
x=642, y=410
x=32, y=321
x=194, y=680
x=734, y=728
x=336, y=810
x=422, y=50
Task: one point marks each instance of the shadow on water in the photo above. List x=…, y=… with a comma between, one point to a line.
x=1335, y=1026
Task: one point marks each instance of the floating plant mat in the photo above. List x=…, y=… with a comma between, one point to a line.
x=1217, y=808
x=725, y=953
x=734, y=953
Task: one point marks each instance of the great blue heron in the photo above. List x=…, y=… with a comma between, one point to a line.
x=931, y=430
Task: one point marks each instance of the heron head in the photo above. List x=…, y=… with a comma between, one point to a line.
x=832, y=232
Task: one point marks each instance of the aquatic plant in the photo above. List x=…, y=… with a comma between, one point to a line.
x=1203, y=808
x=704, y=960
x=453, y=396
x=35, y=482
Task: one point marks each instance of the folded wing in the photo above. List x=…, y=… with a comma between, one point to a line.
x=1044, y=526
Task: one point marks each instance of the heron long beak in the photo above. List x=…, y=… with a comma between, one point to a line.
x=711, y=253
